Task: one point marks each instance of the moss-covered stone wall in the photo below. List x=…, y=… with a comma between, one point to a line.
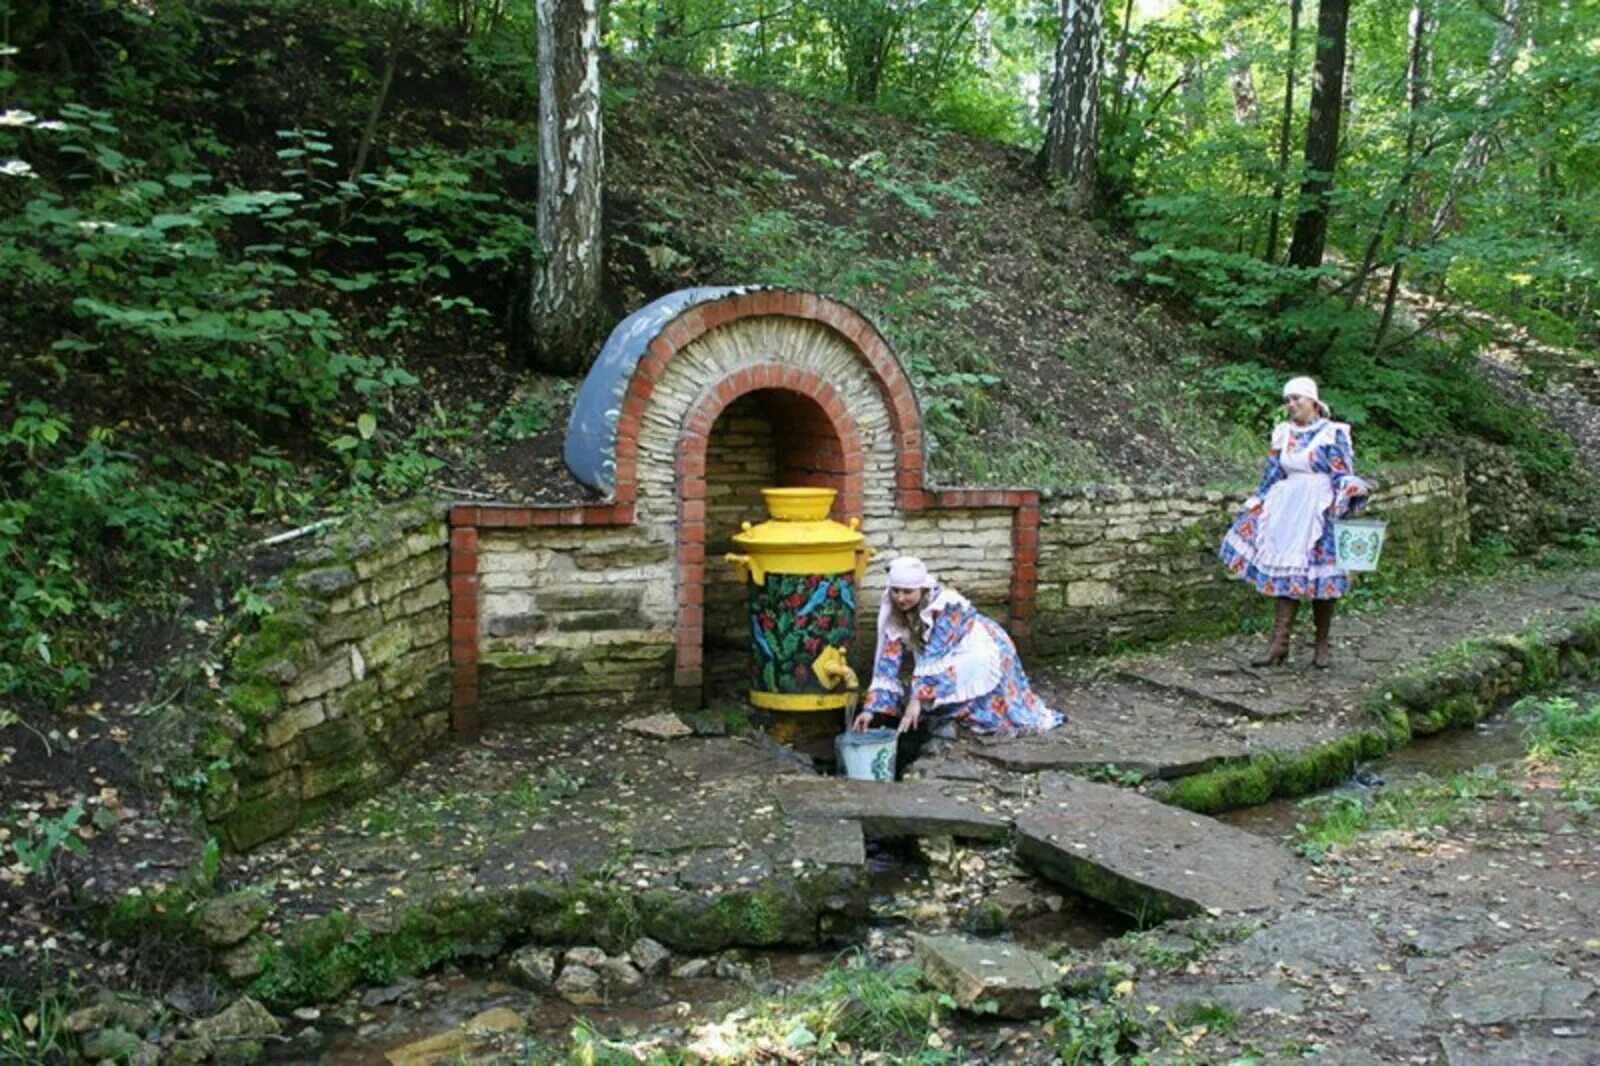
x=1123, y=565
x=344, y=684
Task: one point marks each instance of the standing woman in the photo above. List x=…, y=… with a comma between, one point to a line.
x=1282, y=542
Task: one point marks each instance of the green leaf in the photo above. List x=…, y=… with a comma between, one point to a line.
x=367, y=425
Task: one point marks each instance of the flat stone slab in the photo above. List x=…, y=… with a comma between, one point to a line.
x=1517, y=984
x=890, y=809
x=977, y=973
x=1029, y=755
x=1544, y=1050
x=1144, y=857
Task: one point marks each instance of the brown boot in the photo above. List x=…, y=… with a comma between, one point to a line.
x=1282, y=626
x=1322, y=618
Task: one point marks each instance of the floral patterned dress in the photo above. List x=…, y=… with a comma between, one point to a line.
x=1282, y=542
x=968, y=672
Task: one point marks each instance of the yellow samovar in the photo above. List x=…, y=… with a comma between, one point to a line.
x=805, y=572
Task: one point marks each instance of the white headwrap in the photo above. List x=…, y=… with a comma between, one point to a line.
x=909, y=572
x=1307, y=388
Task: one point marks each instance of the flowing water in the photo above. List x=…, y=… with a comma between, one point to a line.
x=1496, y=741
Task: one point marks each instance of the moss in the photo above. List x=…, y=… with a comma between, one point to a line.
x=1245, y=784
x=168, y=916
x=255, y=700
x=283, y=636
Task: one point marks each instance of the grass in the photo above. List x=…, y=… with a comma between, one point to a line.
x=1339, y=819
x=32, y=1029
x=1561, y=735
x=849, y=1010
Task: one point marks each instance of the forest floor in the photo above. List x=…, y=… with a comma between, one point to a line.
x=1408, y=945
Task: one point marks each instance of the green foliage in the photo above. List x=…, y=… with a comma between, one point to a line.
x=200, y=353
x=45, y=836
x=1341, y=817
x=1092, y=1030
x=33, y=1028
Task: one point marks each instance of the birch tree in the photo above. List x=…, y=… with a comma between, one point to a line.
x=565, y=296
x=1070, y=152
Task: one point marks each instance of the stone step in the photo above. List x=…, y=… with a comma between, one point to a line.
x=891, y=809
x=987, y=975
x=1145, y=858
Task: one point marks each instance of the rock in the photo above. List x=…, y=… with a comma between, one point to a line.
x=732, y=966
x=1517, y=984
x=114, y=1044
x=377, y=997
x=694, y=968
x=1304, y=942
x=1545, y=1050
x=243, y=962
x=887, y=810
x=650, y=956
x=976, y=972
x=113, y=1010
x=472, y=1037
x=1019, y=901
x=1146, y=858
x=307, y=1014
x=579, y=985
x=664, y=726
x=586, y=955
x=534, y=967
x=243, y=1019
x=87, y=1019
x=190, y=1052
x=620, y=973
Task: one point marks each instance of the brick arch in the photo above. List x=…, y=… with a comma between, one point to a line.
x=905, y=418
x=837, y=462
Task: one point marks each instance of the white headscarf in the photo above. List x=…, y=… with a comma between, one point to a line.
x=909, y=572
x=1307, y=388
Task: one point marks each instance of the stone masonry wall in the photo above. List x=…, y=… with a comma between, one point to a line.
x=345, y=684
x=1124, y=565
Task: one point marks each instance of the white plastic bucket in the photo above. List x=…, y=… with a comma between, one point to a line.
x=867, y=756
x=1358, y=543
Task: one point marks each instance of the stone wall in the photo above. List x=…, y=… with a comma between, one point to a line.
x=345, y=684
x=573, y=619
x=1123, y=565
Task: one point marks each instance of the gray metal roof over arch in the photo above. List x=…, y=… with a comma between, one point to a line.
x=591, y=444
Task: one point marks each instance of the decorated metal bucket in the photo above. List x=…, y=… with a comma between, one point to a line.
x=804, y=571
x=1358, y=543
x=868, y=755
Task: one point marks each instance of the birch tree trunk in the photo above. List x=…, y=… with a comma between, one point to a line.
x=1322, y=135
x=565, y=297
x=1246, y=108
x=1285, y=128
x=1072, y=136
x=1476, y=151
x=1417, y=67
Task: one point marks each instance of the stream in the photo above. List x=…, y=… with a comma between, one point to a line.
x=905, y=893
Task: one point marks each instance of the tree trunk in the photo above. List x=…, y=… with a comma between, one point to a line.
x=1246, y=109
x=1322, y=136
x=1476, y=152
x=1285, y=128
x=1072, y=136
x=1417, y=66
x=565, y=296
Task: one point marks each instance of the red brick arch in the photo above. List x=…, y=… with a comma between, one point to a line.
x=832, y=456
x=905, y=420
x=836, y=458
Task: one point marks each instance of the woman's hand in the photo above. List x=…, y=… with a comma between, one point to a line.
x=863, y=720
x=913, y=715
